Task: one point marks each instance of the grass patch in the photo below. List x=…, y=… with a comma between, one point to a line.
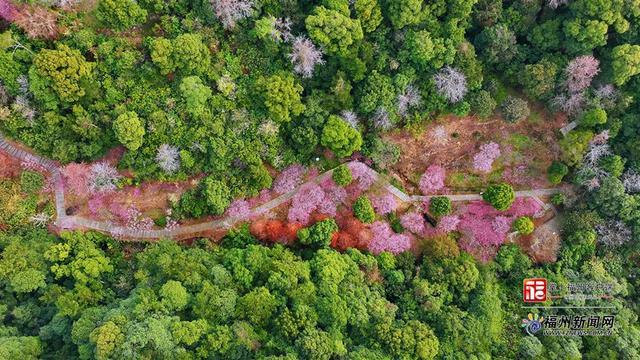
x=520, y=141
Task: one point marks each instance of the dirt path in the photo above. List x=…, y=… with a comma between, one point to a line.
x=64, y=221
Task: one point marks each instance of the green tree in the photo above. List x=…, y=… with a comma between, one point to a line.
x=281, y=97
x=363, y=210
x=162, y=55
x=482, y=104
x=120, y=14
x=190, y=55
x=56, y=76
x=404, y=12
x=593, y=117
x=339, y=137
x=318, y=234
x=613, y=164
x=195, y=94
x=584, y=35
x=332, y=30
x=556, y=172
x=258, y=306
x=369, y=14
x=515, y=109
x=174, y=296
x=217, y=195
x=500, y=196
x=129, y=130
x=440, y=205
x=523, y=225
x=539, y=79
x=573, y=146
x=497, y=44
x=625, y=62
x=342, y=175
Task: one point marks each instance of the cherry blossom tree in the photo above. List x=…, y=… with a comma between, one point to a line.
x=308, y=198
x=448, y=223
x=37, y=22
x=76, y=178
x=239, y=209
x=413, y=222
x=572, y=104
x=384, y=204
x=384, y=239
x=229, y=12
x=432, y=180
x=408, y=99
x=580, y=71
x=483, y=161
x=102, y=177
x=451, y=83
x=305, y=56
x=8, y=11
x=168, y=158
x=289, y=179
x=362, y=175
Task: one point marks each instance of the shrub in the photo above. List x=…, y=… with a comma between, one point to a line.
x=613, y=164
x=440, y=206
x=483, y=104
x=31, y=182
x=342, y=175
x=500, y=196
x=523, y=225
x=515, y=109
x=363, y=210
x=319, y=234
x=556, y=172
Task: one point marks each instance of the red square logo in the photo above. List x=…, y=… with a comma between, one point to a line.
x=534, y=290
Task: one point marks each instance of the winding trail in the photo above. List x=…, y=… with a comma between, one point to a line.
x=64, y=221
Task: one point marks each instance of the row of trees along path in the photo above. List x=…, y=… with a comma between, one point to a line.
x=64, y=221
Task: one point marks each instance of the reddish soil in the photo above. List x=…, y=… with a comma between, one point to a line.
x=527, y=149
x=9, y=167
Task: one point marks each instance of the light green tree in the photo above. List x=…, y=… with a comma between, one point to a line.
x=129, y=130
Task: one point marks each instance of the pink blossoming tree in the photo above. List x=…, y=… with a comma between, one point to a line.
x=432, y=180
x=483, y=160
x=580, y=71
x=384, y=204
x=413, y=222
x=384, y=239
x=289, y=179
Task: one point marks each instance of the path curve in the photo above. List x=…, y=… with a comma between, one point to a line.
x=64, y=221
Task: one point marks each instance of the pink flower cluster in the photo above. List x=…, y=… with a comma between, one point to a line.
x=8, y=11
x=362, y=175
x=485, y=228
x=413, y=222
x=580, y=71
x=76, y=178
x=311, y=197
x=384, y=239
x=432, y=180
x=384, y=204
x=448, y=223
x=135, y=220
x=289, y=179
x=239, y=209
x=483, y=161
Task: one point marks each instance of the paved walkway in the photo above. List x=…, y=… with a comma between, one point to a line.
x=65, y=221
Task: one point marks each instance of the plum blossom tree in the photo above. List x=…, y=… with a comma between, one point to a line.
x=37, y=22
x=304, y=202
x=305, y=56
x=229, y=12
x=571, y=104
x=350, y=118
x=381, y=120
x=432, y=180
x=631, y=181
x=409, y=98
x=580, y=71
x=103, y=177
x=439, y=134
x=613, y=233
x=554, y=4
x=384, y=239
x=483, y=160
x=451, y=83
x=168, y=158
x=413, y=221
